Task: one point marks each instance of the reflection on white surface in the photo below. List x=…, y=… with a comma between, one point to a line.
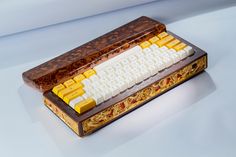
x=125, y=129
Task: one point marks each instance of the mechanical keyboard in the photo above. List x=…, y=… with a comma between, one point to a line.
x=120, y=72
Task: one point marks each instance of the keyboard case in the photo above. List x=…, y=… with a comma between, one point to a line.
x=51, y=73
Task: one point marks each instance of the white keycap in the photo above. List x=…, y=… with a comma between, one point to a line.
x=189, y=50
x=122, y=85
x=106, y=94
x=134, y=64
x=93, y=78
x=101, y=89
x=147, y=50
x=145, y=73
x=153, y=70
x=173, y=56
x=128, y=82
x=86, y=82
x=86, y=95
x=96, y=87
x=167, y=62
x=183, y=54
x=88, y=91
x=141, y=61
x=114, y=90
x=118, y=78
x=125, y=54
x=124, y=62
x=132, y=58
x=101, y=66
x=140, y=77
x=101, y=73
x=157, y=51
x=135, y=74
x=139, y=55
x=172, y=50
x=154, y=47
x=163, y=48
x=98, y=98
x=177, y=57
x=136, y=49
x=132, y=81
x=160, y=65
x=150, y=56
x=149, y=60
x=109, y=70
x=156, y=59
x=117, y=66
x=75, y=101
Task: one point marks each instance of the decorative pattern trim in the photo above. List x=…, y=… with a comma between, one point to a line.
x=63, y=116
x=109, y=114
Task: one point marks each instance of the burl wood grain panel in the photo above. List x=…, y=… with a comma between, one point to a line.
x=45, y=76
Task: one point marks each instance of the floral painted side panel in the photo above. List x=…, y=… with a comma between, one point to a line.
x=100, y=119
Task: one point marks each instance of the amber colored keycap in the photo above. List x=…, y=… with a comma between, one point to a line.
x=162, y=35
x=69, y=82
x=180, y=46
x=85, y=105
x=145, y=44
x=164, y=41
x=89, y=73
x=58, y=88
x=69, y=90
x=79, y=78
x=73, y=95
x=172, y=43
x=153, y=39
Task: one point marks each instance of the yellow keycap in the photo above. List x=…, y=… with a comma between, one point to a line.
x=79, y=78
x=172, y=43
x=58, y=88
x=164, y=41
x=89, y=73
x=180, y=46
x=145, y=44
x=73, y=95
x=162, y=35
x=85, y=105
x=153, y=39
x=69, y=90
x=69, y=82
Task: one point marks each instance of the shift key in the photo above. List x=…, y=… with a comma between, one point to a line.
x=69, y=90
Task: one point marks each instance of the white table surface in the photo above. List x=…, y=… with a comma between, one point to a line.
x=194, y=119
